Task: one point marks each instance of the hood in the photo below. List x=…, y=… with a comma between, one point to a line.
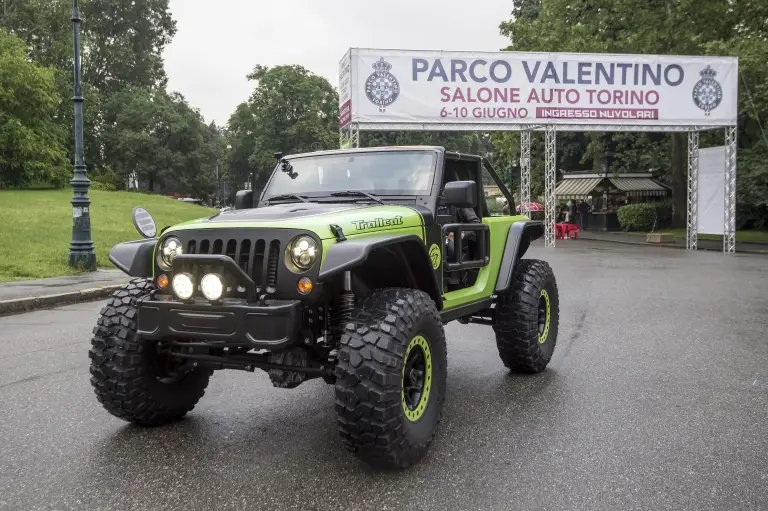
x=282, y=212
x=352, y=218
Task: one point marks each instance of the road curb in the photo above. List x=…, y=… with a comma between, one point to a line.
x=18, y=305
x=673, y=246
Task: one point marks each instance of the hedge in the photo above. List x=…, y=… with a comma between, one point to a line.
x=642, y=217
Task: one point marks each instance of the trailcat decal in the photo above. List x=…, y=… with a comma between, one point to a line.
x=377, y=223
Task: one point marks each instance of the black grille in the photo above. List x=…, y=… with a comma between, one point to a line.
x=258, y=258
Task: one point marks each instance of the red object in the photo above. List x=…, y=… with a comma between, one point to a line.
x=572, y=231
x=345, y=114
x=534, y=206
x=569, y=230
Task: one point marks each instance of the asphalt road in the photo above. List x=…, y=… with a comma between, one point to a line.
x=656, y=398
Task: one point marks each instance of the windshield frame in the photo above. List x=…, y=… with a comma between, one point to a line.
x=418, y=195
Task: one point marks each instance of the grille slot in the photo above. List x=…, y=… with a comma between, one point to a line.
x=258, y=263
x=232, y=249
x=274, y=256
x=244, y=255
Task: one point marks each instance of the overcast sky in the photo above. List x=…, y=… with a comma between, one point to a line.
x=218, y=43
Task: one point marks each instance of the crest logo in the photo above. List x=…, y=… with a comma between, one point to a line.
x=382, y=88
x=707, y=93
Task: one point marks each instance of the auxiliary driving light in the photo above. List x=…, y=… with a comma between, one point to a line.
x=183, y=286
x=212, y=286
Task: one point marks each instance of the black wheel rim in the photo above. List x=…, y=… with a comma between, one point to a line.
x=417, y=378
x=543, y=316
x=413, y=377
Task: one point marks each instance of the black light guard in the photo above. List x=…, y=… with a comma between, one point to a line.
x=225, y=262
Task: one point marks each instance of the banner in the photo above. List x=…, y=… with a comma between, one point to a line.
x=478, y=91
x=711, y=203
x=345, y=91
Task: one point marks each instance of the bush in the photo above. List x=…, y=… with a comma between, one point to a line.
x=640, y=217
x=108, y=180
x=494, y=206
x=104, y=187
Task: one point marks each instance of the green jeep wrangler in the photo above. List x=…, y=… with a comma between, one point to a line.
x=345, y=267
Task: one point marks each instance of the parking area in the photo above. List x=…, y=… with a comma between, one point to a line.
x=656, y=398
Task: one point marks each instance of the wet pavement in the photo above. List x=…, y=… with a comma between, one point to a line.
x=656, y=398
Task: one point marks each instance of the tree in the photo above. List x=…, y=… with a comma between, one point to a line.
x=289, y=110
x=122, y=41
x=31, y=147
x=159, y=139
x=122, y=44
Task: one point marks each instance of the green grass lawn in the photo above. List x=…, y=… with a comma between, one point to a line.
x=742, y=236
x=36, y=227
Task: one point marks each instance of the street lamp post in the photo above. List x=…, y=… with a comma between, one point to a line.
x=81, y=252
x=218, y=184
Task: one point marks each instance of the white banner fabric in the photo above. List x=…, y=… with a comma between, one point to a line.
x=711, y=211
x=434, y=88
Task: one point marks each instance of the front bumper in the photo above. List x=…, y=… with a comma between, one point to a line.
x=273, y=324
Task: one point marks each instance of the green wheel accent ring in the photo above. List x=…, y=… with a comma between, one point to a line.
x=543, y=335
x=418, y=342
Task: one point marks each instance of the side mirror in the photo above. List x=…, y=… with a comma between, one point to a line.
x=144, y=222
x=247, y=199
x=461, y=194
x=244, y=199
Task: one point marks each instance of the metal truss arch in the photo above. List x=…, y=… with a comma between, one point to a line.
x=692, y=223
x=729, y=227
x=550, y=171
x=525, y=173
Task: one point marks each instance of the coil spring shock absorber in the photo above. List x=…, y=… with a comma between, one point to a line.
x=346, y=303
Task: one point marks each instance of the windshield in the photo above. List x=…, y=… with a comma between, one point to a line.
x=380, y=173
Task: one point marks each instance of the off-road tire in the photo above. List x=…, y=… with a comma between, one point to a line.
x=122, y=371
x=370, y=402
x=516, y=322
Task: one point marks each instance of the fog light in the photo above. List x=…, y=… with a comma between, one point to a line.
x=212, y=286
x=162, y=281
x=183, y=286
x=304, y=286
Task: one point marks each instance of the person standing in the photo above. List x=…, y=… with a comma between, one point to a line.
x=583, y=211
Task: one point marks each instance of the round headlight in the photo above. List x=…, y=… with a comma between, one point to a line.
x=303, y=251
x=170, y=248
x=183, y=285
x=212, y=286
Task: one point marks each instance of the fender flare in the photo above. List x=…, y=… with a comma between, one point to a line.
x=519, y=238
x=134, y=257
x=353, y=252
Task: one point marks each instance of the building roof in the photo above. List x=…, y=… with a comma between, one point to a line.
x=582, y=187
x=638, y=185
x=576, y=188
